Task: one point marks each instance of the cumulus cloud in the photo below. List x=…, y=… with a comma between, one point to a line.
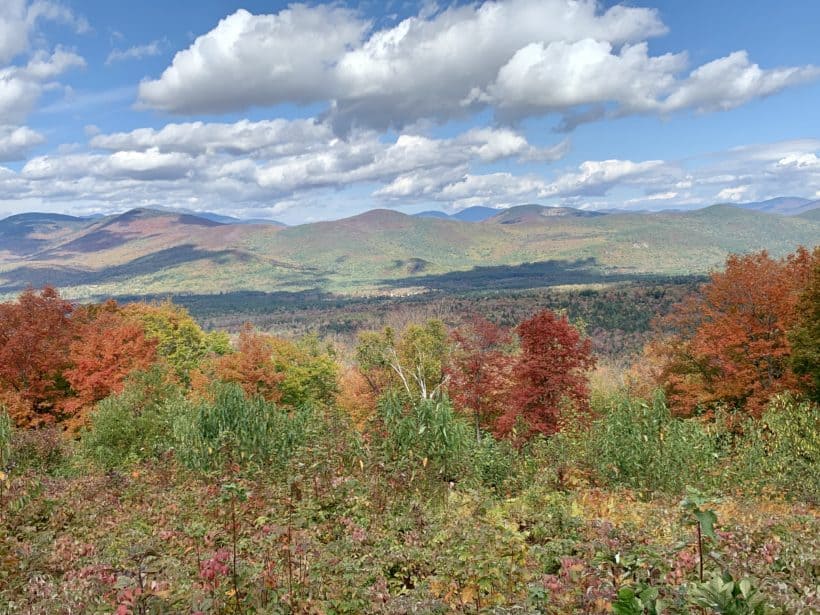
x=260, y=164
x=22, y=80
x=21, y=86
x=19, y=19
x=425, y=66
x=257, y=60
x=256, y=139
x=519, y=57
x=16, y=142
x=731, y=81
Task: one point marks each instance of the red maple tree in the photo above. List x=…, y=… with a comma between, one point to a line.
x=480, y=371
x=252, y=367
x=550, y=372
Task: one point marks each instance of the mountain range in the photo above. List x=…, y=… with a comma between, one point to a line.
x=151, y=251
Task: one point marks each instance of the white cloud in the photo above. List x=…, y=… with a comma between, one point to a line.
x=731, y=81
x=256, y=60
x=267, y=137
x=596, y=177
x=800, y=161
x=425, y=66
x=16, y=142
x=19, y=18
x=260, y=164
x=734, y=195
x=137, y=52
x=556, y=77
x=520, y=57
x=21, y=86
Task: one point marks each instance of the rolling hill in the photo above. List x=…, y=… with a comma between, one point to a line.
x=784, y=205
x=146, y=251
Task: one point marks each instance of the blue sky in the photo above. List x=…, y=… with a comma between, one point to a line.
x=313, y=111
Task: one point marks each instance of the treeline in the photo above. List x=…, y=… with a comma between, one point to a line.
x=617, y=316
x=747, y=335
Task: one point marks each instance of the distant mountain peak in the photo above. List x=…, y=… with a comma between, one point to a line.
x=533, y=212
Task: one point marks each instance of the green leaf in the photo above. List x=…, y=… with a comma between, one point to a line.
x=707, y=520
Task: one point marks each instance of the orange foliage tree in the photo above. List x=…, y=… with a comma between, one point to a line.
x=35, y=334
x=551, y=371
x=106, y=349
x=728, y=344
x=356, y=397
x=252, y=367
x=480, y=371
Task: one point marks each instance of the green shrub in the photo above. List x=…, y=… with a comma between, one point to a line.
x=493, y=462
x=427, y=431
x=640, y=445
x=782, y=450
x=134, y=425
x=253, y=431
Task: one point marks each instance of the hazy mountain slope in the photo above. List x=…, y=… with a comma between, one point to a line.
x=432, y=214
x=528, y=214
x=812, y=214
x=477, y=213
x=784, y=205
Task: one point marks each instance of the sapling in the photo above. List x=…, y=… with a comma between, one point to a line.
x=704, y=519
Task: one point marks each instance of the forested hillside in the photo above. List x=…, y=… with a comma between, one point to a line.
x=381, y=252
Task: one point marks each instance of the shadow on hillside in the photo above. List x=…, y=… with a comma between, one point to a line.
x=525, y=275
x=23, y=277
x=92, y=242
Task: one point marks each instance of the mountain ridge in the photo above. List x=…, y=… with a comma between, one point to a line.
x=145, y=251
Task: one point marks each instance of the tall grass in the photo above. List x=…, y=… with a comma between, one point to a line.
x=427, y=431
x=253, y=432
x=781, y=452
x=640, y=445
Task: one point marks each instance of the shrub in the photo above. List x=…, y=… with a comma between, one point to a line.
x=492, y=462
x=254, y=432
x=782, y=450
x=43, y=450
x=134, y=425
x=428, y=431
x=641, y=445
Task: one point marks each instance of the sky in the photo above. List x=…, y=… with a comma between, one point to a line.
x=304, y=112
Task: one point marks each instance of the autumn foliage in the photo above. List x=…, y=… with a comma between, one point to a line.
x=551, y=371
x=480, y=371
x=251, y=367
x=58, y=360
x=729, y=343
x=35, y=334
x=107, y=347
